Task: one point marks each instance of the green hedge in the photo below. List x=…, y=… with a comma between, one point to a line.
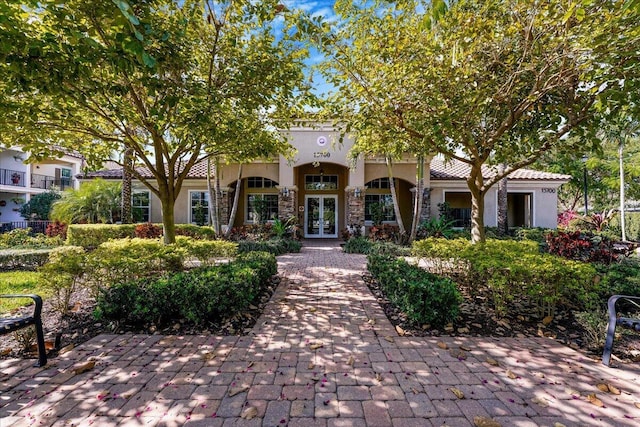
x=90, y=236
x=357, y=245
x=201, y=296
x=23, y=259
x=511, y=270
x=277, y=246
x=632, y=223
x=207, y=251
x=122, y=260
x=422, y=296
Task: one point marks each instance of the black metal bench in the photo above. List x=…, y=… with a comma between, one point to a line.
x=614, y=320
x=8, y=325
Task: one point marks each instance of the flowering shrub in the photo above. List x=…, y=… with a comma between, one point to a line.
x=565, y=218
x=56, y=228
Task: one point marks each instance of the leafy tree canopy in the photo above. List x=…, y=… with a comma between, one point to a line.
x=175, y=82
x=39, y=206
x=483, y=82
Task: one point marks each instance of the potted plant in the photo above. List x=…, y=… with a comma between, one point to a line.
x=15, y=178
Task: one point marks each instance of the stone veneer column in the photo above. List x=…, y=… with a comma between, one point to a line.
x=425, y=212
x=224, y=206
x=287, y=204
x=355, y=207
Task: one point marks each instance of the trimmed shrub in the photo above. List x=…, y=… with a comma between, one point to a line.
x=422, y=296
x=119, y=261
x=511, y=270
x=147, y=231
x=21, y=238
x=580, y=246
x=201, y=296
x=388, y=248
x=207, y=251
x=90, y=236
x=273, y=246
x=357, y=245
x=196, y=231
x=23, y=259
x=56, y=229
x=62, y=274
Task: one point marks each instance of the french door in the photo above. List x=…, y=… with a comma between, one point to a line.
x=321, y=216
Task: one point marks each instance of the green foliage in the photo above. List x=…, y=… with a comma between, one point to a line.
x=196, y=232
x=90, y=236
x=200, y=214
x=23, y=259
x=21, y=238
x=39, y=206
x=200, y=296
x=357, y=245
x=122, y=260
x=63, y=274
x=390, y=248
x=393, y=61
x=422, y=296
x=436, y=227
x=235, y=60
x=19, y=282
x=96, y=201
x=274, y=246
x=286, y=228
x=207, y=251
x=622, y=278
x=632, y=222
x=511, y=270
x=594, y=327
x=536, y=234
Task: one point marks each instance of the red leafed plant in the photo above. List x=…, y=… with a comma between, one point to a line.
x=581, y=247
x=56, y=228
x=148, y=231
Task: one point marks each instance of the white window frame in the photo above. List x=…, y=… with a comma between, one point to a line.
x=190, y=206
x=148, y=207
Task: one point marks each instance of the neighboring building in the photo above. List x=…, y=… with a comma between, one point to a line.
x=19, y=180
x=320, y=189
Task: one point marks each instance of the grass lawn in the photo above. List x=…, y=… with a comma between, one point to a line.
x=19, y=282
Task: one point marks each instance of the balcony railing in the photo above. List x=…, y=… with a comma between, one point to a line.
x=11, y=177
x=47, y=182
x=35, y=226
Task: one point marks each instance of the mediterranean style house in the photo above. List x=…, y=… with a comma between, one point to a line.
x=20, y=180
x=327, y=192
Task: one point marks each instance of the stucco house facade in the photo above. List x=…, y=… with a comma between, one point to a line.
x=326, y=191
x=20, y=180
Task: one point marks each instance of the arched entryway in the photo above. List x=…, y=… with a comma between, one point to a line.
x=321, y=198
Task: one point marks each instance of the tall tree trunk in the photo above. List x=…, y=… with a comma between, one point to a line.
x=168, y=220
x=217, y=194
x=213, y=202
x=503, y=221
x=419, y=197
x=394, y=196
x=126, y=216
x=475, y=183
x=236, y=199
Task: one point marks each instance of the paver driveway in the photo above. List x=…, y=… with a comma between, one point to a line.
x=322, y=354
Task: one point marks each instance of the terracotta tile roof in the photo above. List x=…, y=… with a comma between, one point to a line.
x=456, y=170
x=198, y=171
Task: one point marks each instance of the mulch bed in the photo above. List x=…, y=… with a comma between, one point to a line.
x=80, y=325
x=478, y=319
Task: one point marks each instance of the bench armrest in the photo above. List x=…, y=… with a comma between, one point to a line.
x=612, y=301
x=37, y=312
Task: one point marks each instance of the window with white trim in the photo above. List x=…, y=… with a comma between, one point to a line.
x=141, y=206
x=199, y=207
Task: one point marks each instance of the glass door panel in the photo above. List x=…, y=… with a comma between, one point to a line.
x=329, y=216
x=312, y=217
x=321, y=216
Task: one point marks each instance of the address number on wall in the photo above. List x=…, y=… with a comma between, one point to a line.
x=548, y=190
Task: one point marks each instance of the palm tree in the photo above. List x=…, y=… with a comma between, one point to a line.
x=97, y=201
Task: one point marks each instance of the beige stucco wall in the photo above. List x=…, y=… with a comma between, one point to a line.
x=545, y=200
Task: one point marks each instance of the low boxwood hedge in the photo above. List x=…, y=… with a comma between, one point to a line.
x=200, y=296
x=422, y=296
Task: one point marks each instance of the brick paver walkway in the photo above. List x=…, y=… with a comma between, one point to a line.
x=322, y=354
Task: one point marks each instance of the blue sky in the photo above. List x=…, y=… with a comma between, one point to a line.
x=322, y=8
